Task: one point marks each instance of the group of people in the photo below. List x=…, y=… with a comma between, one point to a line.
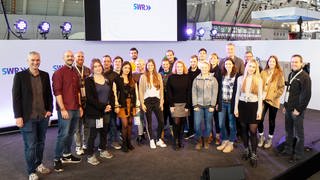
x=232, y=93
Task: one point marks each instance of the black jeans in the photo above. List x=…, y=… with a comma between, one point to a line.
x=153, y=105
x=167, y=113
x=191, y=121
x=272, y=118
x=294, y=128
x=93, y=134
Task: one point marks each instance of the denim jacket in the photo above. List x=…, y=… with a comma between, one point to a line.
x=204, y=91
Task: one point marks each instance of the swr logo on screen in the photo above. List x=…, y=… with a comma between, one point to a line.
x=141, y=7
x=12, y=70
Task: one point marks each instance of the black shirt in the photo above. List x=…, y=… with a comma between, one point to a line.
x=178, y=87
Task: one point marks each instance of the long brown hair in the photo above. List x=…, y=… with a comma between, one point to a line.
x=255, y=78
x=155, y=80
x=130, y=79
x=224, y=70
x=277, y=70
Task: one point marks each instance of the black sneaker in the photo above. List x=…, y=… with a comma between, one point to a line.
x=70, y=159
x=57, y=165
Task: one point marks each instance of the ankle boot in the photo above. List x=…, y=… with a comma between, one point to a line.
x=260, y=139
x=175, y=145
x=124, y=146
x=206, y=143
x=129, y=145
x=254, y=160
x=246, y=154
x=199, y=144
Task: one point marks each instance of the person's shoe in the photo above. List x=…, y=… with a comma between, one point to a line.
x=139, y=140
x=206, y=143
x=246, y=154
x=218, y=139
x=189, y=135
x=199, y=144
x=130, y=146
x=152, y=144
x=161, y=143
x=268, y=143
x=33, y=176
x=42, y=169
x=293, y=159
x=210, y=139
x=228, y=148
x=79, y=151
x=93, y=160
x=254, y=160
x=261, y=140
x=57, y=165
x=223, y=145
x=124, y=147
x=70, y=159
x=115, y=145
x=106, y=154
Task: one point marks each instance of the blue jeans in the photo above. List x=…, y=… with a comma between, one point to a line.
x=112, y=128
x=67, y=128
x=203, y=114
x=294, y=128
x=226, y=108
x=34, y=136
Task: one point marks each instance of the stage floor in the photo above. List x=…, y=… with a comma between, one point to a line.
x=161, y=163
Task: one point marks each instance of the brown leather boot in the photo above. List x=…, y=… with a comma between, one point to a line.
x=206, y=143
x=199, y=144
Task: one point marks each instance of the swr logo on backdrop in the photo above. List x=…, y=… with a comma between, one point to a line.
x=141, y=7
x=56, y=67
x=12, y=70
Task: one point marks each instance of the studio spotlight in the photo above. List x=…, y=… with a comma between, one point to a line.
x=44, y=28
x=228, y=2
x=66, y=29
x=21, y=27
x=189, y=32
x=213, y=33
x=200, y=32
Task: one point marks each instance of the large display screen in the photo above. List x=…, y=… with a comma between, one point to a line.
x=135, y=20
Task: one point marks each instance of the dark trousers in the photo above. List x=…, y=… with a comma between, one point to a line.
x=272, y=118
x=167, y=113
x=191, y=121
x=294, y=128
x=153, y=105
x=216, y=121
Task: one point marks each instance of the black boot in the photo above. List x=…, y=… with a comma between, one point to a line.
x=139, y=140
x=254, y=160
x=124, y=146
x=175, y=144
x=246, y=154
x=129, y=145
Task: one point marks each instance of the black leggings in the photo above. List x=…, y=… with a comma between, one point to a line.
x=177, y=128
x=251, y=129
x=272, y=118
x=167, y=113
x=153, y=105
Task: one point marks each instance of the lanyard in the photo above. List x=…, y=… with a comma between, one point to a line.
x=81, y=73
x=293, y=79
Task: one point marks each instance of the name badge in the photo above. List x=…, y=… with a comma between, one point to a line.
x=99, y=123
x=136, y=120
x=83, y=92
x=286, y=97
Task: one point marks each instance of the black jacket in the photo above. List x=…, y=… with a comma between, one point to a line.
x=299, y=93
x=22, y=94
x=94, y=109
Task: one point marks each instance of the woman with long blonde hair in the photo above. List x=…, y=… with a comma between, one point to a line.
x=248, y=108
x=151, y=97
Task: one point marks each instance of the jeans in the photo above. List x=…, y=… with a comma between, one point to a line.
x=34, y=136
x=141, y=125
x=226, y=108
x=203, y=114
x=294, y=128
x=82, y=133
x=113, y=131
x=67, y=128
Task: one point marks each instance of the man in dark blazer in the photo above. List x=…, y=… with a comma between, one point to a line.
x=32, y=106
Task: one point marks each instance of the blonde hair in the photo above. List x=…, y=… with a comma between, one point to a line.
x=174, y=68
x=255, y=78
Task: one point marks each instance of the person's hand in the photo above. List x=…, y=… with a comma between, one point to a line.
x=144, y=108
x=107, y=109
x=81, y=111
x=65, y=115
x=295, y=112
x=217, y=107
x=161, y=107
x=211, y=109
x=48, y=114
x=172, y=109
x=258, y=116
x=116, y=110
x=283, y=110
x=196, y=109
x=19, y=122
x=236, y=113
x=186, y=110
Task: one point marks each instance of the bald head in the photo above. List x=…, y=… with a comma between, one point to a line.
x=68, y=58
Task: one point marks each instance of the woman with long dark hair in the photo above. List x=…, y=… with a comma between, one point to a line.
x=99, y=103
x=151, y=97
x=178, y=87
x=248, y=107
x=128, y=104
x=273, y=87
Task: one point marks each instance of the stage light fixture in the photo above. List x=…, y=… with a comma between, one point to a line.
x=213, y=33
x=66, y=28
x=44, y=28
x=21, y=27
x=200, y=32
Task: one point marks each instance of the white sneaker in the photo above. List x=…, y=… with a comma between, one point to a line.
x=93, y=160
x=116, y=145
x=33, y=176
x=42, y=169
x=79, y=151
x=228, y=148
x=152, y=144
x=161, y=143
x=223, y=145
x=106, y=154
x=261, y=140
x=268, y=143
